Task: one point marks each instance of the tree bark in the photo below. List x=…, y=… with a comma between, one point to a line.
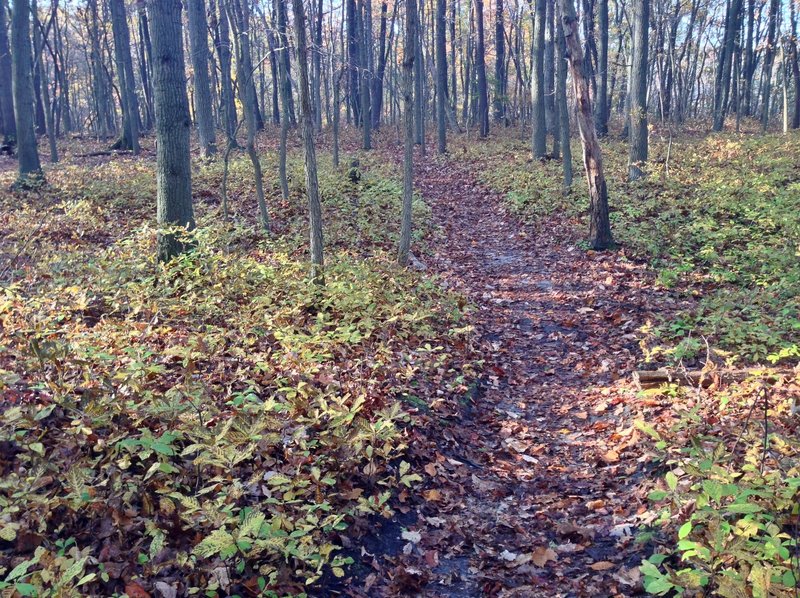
x=307, y=116
x=441, y=76
x=480, y=67
x=173, y=125
x=638, y=99
x=6, y=93
x=769, y=59
x=409, y=54
x=500, y=78
x=538, y=124
x=723, y=77
x=222, y=42
x=239, y=17
x=601, y=101
x=599, y=226
x=198, y=39
x=29, y=166
x=561, y=106
x=122, y=53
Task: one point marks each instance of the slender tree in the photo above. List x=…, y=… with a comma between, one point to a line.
x=127, y=85
x=724, y=67
x=500, y=77
x=309, y=152
x=539, y=126
x=601, y=99
x=638, y=99
x=409, y=54
x=29, y=166
x=562, y=111
x=239, y=17
x=441, y=77
x=599, y=223
x=198, y=39
x=173, y=125
x=222, y=43
x=9, y=125
x=769, y=60
x=480, y=68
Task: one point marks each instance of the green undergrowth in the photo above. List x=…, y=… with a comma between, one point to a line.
x=725, y=519
x=213, y=424
x=722, y=226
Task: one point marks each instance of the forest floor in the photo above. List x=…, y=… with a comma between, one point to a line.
x=535, y=491
x=469, y=426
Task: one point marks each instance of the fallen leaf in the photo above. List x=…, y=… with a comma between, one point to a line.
x=602, y=566
x=541, y=555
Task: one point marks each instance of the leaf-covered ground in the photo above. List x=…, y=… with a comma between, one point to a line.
x=216, y=424
x=468, y=427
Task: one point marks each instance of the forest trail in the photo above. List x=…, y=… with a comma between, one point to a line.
x=542, y=499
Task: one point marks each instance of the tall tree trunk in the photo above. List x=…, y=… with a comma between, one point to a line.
x=500, y=78
x=6, y=93
x=100, y=89
x=769, y=59
x=795, y=68
x=353, y=62
x=239, y=17
x=600, y=226
x=539, y=126
x=601, y=101
x=723, y=76
x=173, y=124
x=285, y=69
x=222, y=43
x=409, y=54
x=549, y=68
x=146, y=61
x=749, y=59
x=22, y=76
x=419, y=80
x=638, y=100
x=127, y=90
x=480, y=67
x=283, y=43
x=365, y=22
x=198, y=39
x=561, y=105
x=312, y=186
x=441, y=77
x=316, y=67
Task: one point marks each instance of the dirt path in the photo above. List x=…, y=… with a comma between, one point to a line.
x=535, y=489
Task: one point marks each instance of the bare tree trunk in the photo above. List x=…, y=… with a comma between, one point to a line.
x=638, y=105
x=599, y=227
x=198, y=38
x=222, y=42
x=29, y=166
x=409, y=54
x=312, y=187
x=561, y=105
x=122, y=52
x=173, y=124
x=769, y=59
x=539, y=126
x=365, y=22
x=441, y=77
x=6, y=94
x=601, y=102
x=723, y=76
x=244, y=77
x=500, y=78
x=480, y=67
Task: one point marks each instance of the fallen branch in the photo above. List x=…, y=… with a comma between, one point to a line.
x=706, y=378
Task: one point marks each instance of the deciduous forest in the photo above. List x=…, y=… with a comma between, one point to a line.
x=366, y=298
